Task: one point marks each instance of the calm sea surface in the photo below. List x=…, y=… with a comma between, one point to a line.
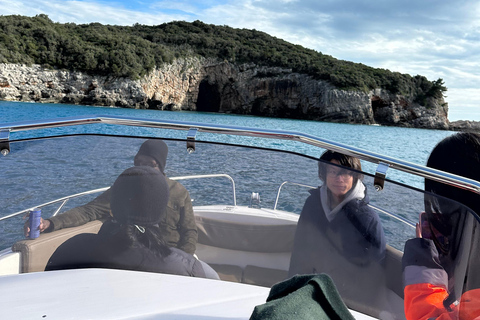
x=412, y=145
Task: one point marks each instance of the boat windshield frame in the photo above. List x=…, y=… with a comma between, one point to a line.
x=383, y=162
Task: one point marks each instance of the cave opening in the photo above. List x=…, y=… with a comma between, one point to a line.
x=377, y=105
x=208, y=97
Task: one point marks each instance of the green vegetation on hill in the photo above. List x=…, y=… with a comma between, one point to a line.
x=133, y=51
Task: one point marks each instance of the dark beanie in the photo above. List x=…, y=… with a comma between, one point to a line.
x=458, y=154
x=157, y=149
x=139, y=196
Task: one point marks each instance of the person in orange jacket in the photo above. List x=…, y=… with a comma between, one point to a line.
x=441, y=266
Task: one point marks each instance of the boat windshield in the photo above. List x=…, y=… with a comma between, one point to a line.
x=242, y=214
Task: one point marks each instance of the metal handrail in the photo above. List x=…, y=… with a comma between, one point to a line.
x=64, y=200
x=393, y=215
x=405, y=166
x=201, y=176
x=284, y=183
x=385, y=212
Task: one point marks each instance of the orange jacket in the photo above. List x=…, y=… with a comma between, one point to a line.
x=425, y=301
x=426, y=284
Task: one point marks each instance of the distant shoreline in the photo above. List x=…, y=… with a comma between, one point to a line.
x=465, y=126
x=457, y=125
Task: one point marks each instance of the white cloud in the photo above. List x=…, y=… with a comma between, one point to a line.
x=434, y=39
x=467, y=104
x=86, y=12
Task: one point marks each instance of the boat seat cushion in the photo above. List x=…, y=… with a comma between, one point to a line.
x=235, y=235
x=265, y=277
x=228, y=272
x=393, y=270
x=35, y=253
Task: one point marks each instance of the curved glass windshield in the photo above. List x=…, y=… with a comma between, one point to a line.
x=238, y=214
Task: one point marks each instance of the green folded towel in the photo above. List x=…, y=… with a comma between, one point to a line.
x=303, y=297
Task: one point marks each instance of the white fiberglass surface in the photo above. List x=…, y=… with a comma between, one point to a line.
x=118, y=294
x=115, y=294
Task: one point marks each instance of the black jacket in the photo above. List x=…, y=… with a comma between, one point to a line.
x=97, y=251
x=350, y=248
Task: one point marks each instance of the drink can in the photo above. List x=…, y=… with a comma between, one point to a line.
x=35, y=215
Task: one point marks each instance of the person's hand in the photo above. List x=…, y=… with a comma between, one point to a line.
x=44, y=224
x=418, y=230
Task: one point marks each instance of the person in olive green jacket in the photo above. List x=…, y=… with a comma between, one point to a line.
x=178, y=225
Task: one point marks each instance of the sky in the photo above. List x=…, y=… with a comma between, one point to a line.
x=433, y=38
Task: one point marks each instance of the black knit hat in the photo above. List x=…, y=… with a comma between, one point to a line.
x=139, y=196
x=157, y=149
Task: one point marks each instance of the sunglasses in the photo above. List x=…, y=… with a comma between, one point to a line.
x=334, y=172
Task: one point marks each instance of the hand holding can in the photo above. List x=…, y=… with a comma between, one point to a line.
x=35, y=218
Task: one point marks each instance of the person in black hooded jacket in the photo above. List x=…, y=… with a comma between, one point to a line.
x=339, y=234
x=439, y=283
x=131, y=239
x=178, y=225
x=336, y=219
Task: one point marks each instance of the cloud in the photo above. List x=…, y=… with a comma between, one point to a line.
x=81, y=12
x=467, y=104
x=437, y=39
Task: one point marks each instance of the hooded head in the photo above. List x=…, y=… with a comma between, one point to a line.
x=139, y=196
x=153, y=149
x=458, y=154
x=343, y=160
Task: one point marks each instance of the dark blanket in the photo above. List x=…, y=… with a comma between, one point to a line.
x=303, y=297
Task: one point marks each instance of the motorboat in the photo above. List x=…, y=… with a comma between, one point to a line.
x=247, y=186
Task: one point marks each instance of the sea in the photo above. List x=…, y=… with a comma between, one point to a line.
x=407, y=144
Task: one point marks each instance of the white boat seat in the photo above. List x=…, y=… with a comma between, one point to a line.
x=35, y=253
x=393, y=270
x=246, y=236
x=257, y=252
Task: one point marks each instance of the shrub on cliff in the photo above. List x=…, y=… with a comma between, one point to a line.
x=134, y=51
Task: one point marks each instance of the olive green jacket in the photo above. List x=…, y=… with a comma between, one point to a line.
x=178, y=224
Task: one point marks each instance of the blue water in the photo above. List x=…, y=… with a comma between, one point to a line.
x=412, y=145
x=408, y=144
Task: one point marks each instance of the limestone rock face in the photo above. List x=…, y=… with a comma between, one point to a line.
x=34, y=83
x=200, y=84
x=396, y=110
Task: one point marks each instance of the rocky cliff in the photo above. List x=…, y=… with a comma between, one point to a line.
x=465, y=125
x=219, y=86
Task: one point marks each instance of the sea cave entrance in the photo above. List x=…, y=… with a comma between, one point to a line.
x=208, y=97
x=378, y=106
